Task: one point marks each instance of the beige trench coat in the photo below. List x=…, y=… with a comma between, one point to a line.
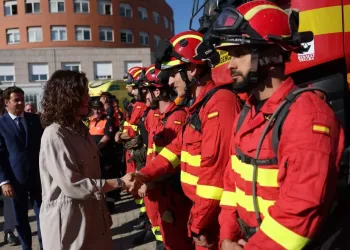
x=71, y=216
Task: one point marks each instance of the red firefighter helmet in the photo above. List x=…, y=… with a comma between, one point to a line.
x=260, y=23
x=180, y=49
x=155, y=77
x=134, y=76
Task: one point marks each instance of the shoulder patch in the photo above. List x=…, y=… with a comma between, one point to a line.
x=320, y=129
x=213, y=114
x=157, y=115
x=178, y=122
x=138, y=107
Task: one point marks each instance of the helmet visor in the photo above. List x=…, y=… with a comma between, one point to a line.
x=228, y=22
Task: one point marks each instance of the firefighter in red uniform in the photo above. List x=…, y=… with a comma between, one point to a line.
x=168, y=201
x=282, y=175
x=206, y=135
x=130, y=130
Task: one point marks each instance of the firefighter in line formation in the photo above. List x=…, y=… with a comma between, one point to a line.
x=214, y=173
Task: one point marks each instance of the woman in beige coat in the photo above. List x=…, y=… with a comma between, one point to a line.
x=73, y=214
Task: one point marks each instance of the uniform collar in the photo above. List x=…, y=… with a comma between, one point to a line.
x=206, y=88
x=170, y=107
x=277, y=97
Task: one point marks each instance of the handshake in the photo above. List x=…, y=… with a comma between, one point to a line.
x=135, y=183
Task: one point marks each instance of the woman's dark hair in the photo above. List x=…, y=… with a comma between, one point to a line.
x=62, y=96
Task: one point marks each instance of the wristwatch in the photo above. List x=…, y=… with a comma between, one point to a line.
x=121, y=183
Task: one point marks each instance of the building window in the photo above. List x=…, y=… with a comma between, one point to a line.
x=71, y=66
x=166, y=22
x=7, y=73
x=58, y=33
x=126, y=36
x=103, y=70
x=38, y=72
x=32, y=98
x=125, y=10
x=156, y=17
x=32, y=6
x=105, y=7
x=13, y=36
x=10, y=8
x=35, y=34
x=142, y=12
x=130, y=64
x=81, y=6
x=83, y=33
x=106, y=34
x=144, y=38
x=56, y=6
x=156, y=41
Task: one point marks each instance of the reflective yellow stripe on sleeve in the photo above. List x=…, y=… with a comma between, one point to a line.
x=139, y=201
x=157, y=149
x=193, y=160
x=228, y=199
x=170, y=156
x=283, y=236
x=266, y=177
x=149, y=151
x=188, y=178
x=134, y=127
x=209, y=192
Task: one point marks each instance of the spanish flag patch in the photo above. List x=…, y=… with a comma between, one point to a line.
x=178, y=122
x=138, y=107
x=213, y=114
x=157, y=115
x=320, y=129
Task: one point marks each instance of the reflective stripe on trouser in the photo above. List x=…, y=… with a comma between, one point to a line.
x=141, y=204
x=174, y=210
x=151, y=205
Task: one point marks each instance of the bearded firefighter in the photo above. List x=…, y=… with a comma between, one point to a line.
x=287, y=143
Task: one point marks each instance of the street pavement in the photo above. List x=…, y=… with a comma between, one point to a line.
x=122, y=232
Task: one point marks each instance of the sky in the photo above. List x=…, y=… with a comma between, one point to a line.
x=182, y=14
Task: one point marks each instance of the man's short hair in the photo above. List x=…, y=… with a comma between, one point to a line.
x=8, y=91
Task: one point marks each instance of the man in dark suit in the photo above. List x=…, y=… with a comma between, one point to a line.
x=20, y=135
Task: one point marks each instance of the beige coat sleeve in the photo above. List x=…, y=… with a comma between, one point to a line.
x=64, y=170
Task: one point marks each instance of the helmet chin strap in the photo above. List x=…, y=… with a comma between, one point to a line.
x=189, y=83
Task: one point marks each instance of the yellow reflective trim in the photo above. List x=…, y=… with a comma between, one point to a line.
x=158, y=237
x=209, y=192
x=193, y=160
x=134, y=127
x=171, y=63
x=228, y=199
x=153, y=67
x=149, y=151
x=136, y=73
x=315, y=21
x=188, y=178
x=246, y=201
x=139, y=201
x=346, y=10
x=282, y=235
x=178, y=122
x=157, y=149
x=265, y=178
x=251, y=13
x=214, y=114
x=320, y=128
x=187, y=36
x=142, y=209
x=170, y=156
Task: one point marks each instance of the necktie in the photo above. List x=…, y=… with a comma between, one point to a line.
x=22, y=131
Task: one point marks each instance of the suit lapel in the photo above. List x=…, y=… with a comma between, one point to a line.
x=29, y=128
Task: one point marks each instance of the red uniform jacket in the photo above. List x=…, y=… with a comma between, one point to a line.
x=162, y=159
x=131, y=126
x=151, y=121
x=294, y=195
